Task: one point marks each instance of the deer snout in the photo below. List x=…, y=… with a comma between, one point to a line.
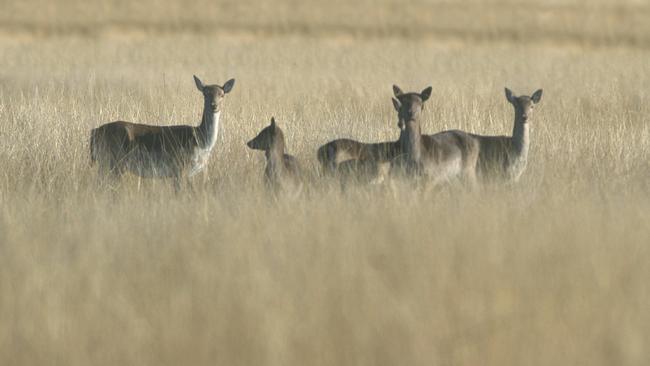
x=251, y=144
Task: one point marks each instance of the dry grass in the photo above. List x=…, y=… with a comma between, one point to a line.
x=551, y=271
x=574, y=22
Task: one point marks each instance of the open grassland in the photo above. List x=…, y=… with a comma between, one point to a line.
x=583, y=22
x=553, y=270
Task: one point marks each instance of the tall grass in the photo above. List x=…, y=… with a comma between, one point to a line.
x=552, y=270
x=581, y=22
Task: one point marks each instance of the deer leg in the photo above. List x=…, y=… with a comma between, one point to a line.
x=471, y=181
x=109, y=174
x=177, y=184
x=206, y=177
x=189, y=183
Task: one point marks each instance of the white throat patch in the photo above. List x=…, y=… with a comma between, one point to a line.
x=214, y=131
x=202, y=155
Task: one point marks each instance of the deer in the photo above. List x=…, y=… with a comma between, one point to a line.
x=441, y=157
x=506, y=157
x=282, y=170
x=177, y=152
x=335, y=152
x=368, y=162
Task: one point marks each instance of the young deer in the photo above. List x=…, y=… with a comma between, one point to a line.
x=441, y=157
x=280, y=168
x=335, y=152
x=507, y=156
x=160, y=151
x=354, y=159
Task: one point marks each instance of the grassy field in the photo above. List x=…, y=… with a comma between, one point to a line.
x=553, y=270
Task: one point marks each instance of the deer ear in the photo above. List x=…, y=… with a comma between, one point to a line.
x=397, y=104
x=397, y=91
x=227, y=87
x=537, y=96
x=426, y=94
x=199, y=83
x=509, y=96
x=273, y=122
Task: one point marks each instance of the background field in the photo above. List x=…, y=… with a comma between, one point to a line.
x=553, y=270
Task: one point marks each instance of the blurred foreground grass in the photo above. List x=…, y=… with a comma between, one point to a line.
x=552, y=270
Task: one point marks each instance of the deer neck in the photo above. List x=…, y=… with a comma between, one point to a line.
x=520, y=137
x=411, y=141
x=209, y=127
x=275, y=157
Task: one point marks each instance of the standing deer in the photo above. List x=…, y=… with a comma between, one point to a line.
x=354, y=159
x=335, y=152
x=281, y=169
x=441, y=157
x=160, y=151
x=506, y=157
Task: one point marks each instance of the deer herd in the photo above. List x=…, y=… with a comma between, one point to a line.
x=180, y=152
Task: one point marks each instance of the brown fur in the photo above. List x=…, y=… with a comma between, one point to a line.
x=337, y=151
x=372, y=159
x=440, y=157
x=280, y=167
x=506, y=157
x=159, y=151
